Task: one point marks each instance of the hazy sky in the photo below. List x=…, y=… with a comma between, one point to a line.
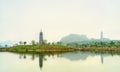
x=21, y=20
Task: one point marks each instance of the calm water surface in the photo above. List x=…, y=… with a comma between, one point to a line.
x=65, y=62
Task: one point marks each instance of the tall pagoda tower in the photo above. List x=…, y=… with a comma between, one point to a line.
x=41, y=38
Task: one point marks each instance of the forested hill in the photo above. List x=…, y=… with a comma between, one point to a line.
x=76, y=38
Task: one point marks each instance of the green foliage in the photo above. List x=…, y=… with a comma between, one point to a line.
x=96, y=44
x=33, y=42
x=37, y=48
x=25, y=42
x=57, y=46
x=20, y=42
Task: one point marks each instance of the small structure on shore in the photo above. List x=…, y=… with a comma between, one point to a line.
x=101, y=36
x=41, y=38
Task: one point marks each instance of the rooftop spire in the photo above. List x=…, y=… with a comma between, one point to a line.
x=40, y=30
x=101, y=35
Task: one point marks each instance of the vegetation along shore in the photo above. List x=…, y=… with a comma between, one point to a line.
x=36, y=48
x=62, y=48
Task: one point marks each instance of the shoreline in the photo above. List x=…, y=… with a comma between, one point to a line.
x=99, y=49
x=56, y=48
x=5, y=50
x=30, y=48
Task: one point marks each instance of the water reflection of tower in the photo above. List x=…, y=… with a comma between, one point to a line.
x=40, y=61
x=101, y=38
x=102, y=59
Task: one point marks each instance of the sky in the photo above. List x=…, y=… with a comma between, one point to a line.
x=22, y=20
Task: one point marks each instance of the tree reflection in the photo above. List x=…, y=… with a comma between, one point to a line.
x=33, y=56
x=72, y=56
x=24, y=56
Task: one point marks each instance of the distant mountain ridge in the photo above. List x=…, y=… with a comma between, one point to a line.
x=76, y=38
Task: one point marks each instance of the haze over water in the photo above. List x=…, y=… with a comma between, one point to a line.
x=65, y=62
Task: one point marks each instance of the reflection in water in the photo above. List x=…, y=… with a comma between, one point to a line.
x=20, y=56
x=40, y=61
x=24, y=56
x=75, y=56
x=33, y=56
x=41, y=56
x=102, y=60
x=60, y=62
x=72, y=56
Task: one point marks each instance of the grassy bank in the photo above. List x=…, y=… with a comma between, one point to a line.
x=56, y=48
x=101, y=49
x=35, y=48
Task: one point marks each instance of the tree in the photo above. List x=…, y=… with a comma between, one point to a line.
x=37, y=43
x=16, y=44
x=33, y=42
x=48, y=43
x=44, y=42
x=25, y=42
x=53, y=43
x=6, y=45
x=0, y=46
x=112, y=43
x=20, y=42
x=59, y=43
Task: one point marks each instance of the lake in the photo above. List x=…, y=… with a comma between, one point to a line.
x=59, y=62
